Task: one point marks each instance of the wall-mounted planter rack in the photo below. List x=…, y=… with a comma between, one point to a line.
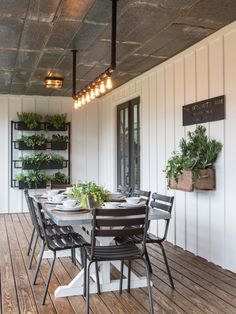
x=17, y=149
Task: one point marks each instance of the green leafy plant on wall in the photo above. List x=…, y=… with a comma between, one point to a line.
x=59, y=177
x=32, y=178
x=197, y=152
x=56, y=121
x=33, y=140
x=40, y=158
x=82, y=190
x=59, y=138
x=30, y=119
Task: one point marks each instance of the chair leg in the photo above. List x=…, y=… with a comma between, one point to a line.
x=129, y=275
x=39, y=262
x=33, y=251
x=82, y=257
x=167, y=265
x=121, y=276
x=97, y=278
x=87, y=287
x=31, y=240
x=85, y=273
x=49, y=278
x=149, y=286
x=148, y=261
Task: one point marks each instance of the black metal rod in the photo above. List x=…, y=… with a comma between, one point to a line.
x=74, y=74
x=113, y=34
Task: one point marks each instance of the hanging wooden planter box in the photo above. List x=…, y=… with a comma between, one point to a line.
x=58, y=145
x=207, y=180
x=185, y=183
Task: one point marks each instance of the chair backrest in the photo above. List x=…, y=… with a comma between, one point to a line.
x=125, y=190
x=33, y=215
x=144, y=195
x=119, y=222
x=163, y=202
x=41, y=221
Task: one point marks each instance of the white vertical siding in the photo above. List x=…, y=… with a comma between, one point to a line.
x=203, y=222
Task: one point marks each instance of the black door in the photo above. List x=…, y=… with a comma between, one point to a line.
x=128, y=144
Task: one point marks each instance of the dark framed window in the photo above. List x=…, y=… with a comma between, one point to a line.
x=128, y=144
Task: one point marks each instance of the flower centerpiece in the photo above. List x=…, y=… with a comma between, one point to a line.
x=89, y=194
x=193, y=166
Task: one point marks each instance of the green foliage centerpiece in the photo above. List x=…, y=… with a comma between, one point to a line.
x=82, y=191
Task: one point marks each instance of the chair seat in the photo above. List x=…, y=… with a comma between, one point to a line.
x=66, y=241
x=125, y=251
x=150, y=238
x=54, y=229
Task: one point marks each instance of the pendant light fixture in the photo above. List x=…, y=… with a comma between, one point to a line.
x=103, y=83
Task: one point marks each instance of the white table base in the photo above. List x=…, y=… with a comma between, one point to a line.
x=76, y=286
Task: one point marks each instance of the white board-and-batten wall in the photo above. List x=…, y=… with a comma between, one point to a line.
x=203, y=222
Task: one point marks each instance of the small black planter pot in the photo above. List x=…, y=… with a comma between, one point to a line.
x=56, y=185
x=49, y=127
x=23, y=146
x=25, y=185
x=44, y=165
x=21, y=126
x=58, y=145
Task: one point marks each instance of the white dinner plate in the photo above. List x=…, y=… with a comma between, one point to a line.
x=63, y=208
x=131, y=205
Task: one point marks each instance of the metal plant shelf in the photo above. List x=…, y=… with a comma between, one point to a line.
x=17, y=149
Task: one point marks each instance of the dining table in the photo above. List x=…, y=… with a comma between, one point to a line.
x=81, y=222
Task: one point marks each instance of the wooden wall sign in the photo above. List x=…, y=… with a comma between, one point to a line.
x=212, y=109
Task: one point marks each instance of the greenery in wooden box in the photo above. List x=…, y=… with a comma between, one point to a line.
x=193, y=166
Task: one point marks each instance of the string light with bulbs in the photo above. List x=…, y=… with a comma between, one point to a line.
x=97, y=88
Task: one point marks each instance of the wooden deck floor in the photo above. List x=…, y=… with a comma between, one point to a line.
x=201, y=287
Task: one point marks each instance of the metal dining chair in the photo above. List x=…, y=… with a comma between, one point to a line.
x=115, y=222
x=54, y=243
x=52, y=229
x=165, y=203
x=125, y=190
x=144, y=195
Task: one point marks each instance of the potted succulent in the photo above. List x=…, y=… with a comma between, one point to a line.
x=59, y=142
x=42, y=161
x=35, y=179
x=193, y=166
x=28, y=121
x=56, y=122
x=33, y=142
x=89, y=194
